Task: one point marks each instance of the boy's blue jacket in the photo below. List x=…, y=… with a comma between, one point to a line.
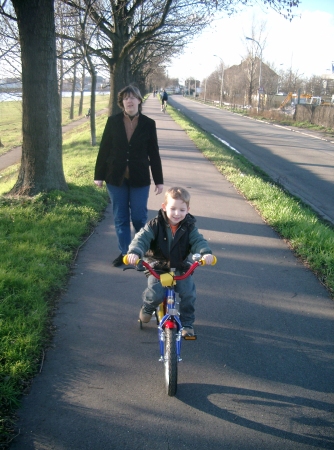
x=167, y=250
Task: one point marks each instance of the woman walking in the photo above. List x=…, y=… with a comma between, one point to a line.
x=128, y=152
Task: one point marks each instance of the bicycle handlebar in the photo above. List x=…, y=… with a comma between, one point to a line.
x=190, y=271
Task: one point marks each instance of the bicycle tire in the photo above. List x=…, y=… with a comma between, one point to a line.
x=170, y=361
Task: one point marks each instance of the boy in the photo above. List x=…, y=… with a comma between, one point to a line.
x=171, y=236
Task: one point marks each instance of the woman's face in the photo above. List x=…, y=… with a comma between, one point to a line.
x=131, y=104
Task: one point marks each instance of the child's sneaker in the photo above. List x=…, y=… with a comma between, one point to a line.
x=144, y=316
x=188, y=332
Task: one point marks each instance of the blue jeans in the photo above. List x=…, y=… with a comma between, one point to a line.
x=154, y=295
x=128, y=204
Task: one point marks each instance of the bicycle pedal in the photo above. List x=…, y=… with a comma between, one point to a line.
x=190, y=337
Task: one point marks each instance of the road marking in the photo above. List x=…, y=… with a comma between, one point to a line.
x=226, y=143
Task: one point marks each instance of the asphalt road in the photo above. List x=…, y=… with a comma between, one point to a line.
x=301, y=161
x=260, y=375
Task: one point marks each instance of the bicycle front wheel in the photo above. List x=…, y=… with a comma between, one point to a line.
x=170, y=361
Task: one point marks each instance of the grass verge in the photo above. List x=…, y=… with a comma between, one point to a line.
x=309, y=236
x=39, y=238
x=11, y=118
x=274, y=116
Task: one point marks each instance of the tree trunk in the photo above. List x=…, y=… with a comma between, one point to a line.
x=61, y=79
x=93, y=75
x=92, y=108
x=82, y=90
x=118, y=80
x=73, y=92
x=41, y=163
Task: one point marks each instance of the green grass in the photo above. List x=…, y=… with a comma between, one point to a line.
x=11, y=118
x=10, y=125
x=39, y=238
x=309, y=236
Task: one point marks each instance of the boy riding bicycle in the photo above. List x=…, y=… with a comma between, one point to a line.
x=171, y=236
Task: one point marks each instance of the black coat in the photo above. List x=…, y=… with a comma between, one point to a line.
x=141, y=153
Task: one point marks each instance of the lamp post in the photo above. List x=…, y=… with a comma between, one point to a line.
x=222, y=81
x=260, y=88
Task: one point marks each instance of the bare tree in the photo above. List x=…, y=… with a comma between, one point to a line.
x=41, y=164
x=127, y=26
x=292, y=81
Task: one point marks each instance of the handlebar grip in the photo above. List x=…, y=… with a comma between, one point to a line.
x=213, y=262
x=125, y=260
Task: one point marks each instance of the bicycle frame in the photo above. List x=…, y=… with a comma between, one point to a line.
x=169, y=324
x=169, y=320
x=167, y=312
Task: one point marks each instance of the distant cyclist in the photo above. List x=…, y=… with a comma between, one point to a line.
x=164, y=98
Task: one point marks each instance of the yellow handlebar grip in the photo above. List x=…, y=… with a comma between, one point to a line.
x=212, y=264
x=125, y=260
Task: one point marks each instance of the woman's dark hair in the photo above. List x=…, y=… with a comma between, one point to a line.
x=125, y=92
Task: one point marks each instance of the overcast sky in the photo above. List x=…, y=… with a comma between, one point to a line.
x=306, y=44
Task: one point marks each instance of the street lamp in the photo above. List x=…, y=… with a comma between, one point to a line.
x=222, y=82
x=260, y=88
x=279, y=78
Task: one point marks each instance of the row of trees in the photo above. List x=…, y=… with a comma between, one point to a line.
x=239, y=84
x=131, y=39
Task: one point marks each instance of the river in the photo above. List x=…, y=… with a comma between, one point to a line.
x=17, y=96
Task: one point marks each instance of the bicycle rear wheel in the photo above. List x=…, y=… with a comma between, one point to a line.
x=170, y=361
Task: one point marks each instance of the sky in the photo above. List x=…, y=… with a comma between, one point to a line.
x=306, y=44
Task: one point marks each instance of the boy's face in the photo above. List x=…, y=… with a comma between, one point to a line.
x=176, y=210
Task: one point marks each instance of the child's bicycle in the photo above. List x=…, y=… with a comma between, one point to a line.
x=169, y=325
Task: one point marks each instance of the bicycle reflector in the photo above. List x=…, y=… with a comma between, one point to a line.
x=167, y=279
x=190, y=337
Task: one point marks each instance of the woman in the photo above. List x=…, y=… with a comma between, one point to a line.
x=128, y=149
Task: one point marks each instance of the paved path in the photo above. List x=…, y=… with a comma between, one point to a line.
x=13, y=156
x=260, y=376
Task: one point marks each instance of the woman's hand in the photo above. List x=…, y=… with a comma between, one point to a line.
x=158, y=188
x=98, y=183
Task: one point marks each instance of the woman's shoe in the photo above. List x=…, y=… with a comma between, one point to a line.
x=118, y=261
x=188, y=332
